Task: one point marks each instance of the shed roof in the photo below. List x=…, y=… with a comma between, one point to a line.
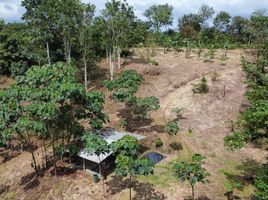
x=110, y=135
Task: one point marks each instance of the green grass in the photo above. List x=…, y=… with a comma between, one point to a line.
x=231, y=177
x=162, y=176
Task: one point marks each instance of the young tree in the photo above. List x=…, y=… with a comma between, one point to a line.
x=95, y=144
x=192, y=172
x=124, y=88
x=159, y=16
x=128, y=161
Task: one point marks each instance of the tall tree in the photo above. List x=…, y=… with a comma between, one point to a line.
x=85, y=19
x=68, y=12
x=205, y=12
x=41, y=16
x=222, y=21
x=118, y=18
x=159, y=16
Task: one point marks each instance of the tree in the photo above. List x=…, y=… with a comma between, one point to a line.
x=127, y=159
x=222, y=20
x=85, y=19
x=205, y=12
x=68, y=12
x=117, y=19
x=124, y=88
x=42, y=17
x=189, y=25
x=15, y=51
x=159, y=16
x=49, y=96
x=192, y=172
x=95, y=144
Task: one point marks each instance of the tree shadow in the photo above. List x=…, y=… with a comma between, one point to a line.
x=198, y=198
x=138, y=122
x=153, y=128
x=98, y=77
x=4, y=188
x=29, y=181
x=249, y=170
x=143, y=191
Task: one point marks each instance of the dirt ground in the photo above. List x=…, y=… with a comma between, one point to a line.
x=208, y=116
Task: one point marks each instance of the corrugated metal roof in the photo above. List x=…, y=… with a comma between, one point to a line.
x=110, y=135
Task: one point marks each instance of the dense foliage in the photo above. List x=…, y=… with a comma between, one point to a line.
x=253, y=123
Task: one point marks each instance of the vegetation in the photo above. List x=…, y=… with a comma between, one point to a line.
x=172, y=128
x=52, y=56
x=192, y=172
x=95, y=144
x=128, y=161
x=201, y=87
x=158, y=142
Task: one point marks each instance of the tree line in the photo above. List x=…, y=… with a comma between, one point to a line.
x=70, y=31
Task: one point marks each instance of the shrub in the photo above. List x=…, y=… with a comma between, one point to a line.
x=177, y=146
x=201, y=87
x=172, y=128
x=158, y=142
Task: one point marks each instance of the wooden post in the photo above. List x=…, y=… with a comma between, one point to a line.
x=84, y=167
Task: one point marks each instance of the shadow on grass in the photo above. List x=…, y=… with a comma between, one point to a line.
x=143, y=191
x=248, y=172
x=198, y=198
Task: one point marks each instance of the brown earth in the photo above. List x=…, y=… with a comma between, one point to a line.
x=207, y=115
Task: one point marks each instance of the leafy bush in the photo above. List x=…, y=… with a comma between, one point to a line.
x=201, y=87
x=158, y=142
x=177, y=146
x=172, y=128
x=261, y=183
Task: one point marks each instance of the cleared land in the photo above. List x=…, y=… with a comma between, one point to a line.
x=209, y=116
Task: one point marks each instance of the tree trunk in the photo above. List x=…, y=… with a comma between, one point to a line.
x=48, y=54
x=111, y=66
x=103, y=181
x=45, y=150
x=107, y=55
x=85, y=71
x=52, y=135
x=119, y=57
x=130, y=185
x=192, y=192
x=32, y=152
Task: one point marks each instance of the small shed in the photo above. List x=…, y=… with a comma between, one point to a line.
x=110, y=135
